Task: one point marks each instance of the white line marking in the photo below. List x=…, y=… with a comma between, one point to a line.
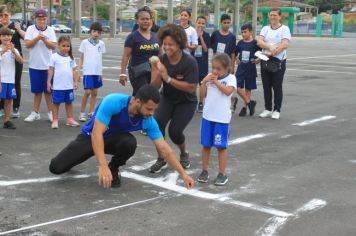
x=352, y=161
x=310, y=122
x=333, y=56
x=80, y=216
x=327, y=66
x=247, y=138
x=323, y=71
x=276, y=223
x=40, y=180
x=145, y=166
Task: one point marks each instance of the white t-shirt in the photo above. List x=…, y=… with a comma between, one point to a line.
x=93, y=57
x=40, y=54
x=217, y=104
x=275, y=37
x=63, y=71
x=192, y=36
x=7, y=66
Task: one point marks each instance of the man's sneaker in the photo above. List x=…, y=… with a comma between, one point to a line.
x=50, y=116
x=2, y=113
x=15, y=113
x=9, y=125
x=276, y=115
x=203, y=177
x=200, y=107
x=221, y=180
x=54, y=124
x=184, y=160
x=158, y=166
x=116, y=176
x=233, y=104
x=265, y=114
x=32, y=117
x=72, y=123
x=243, y=112
x=251, y=107
x=83, y=117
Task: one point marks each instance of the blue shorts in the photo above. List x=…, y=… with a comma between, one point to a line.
x=38, y=79
x=246, y=82
x=8, y=91
x=214, y=134
x=62, y=96
x=92, y=81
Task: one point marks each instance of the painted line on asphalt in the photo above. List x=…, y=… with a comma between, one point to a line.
x=40, y=180
x=324, y=71
x=318, y=65
x=310, y=122
x=82, y=215
x=247, y=138
x=327, y=56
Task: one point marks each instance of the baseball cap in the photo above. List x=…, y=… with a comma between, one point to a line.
x=40, y=13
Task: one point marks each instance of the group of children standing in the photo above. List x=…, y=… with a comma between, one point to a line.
x=54, y=75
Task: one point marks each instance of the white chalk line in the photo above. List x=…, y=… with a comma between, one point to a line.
x=327, y=56
x=276, y=223
x=318, y=65
x=41, y=180
x=247, y=138
x=322, y=71
x=313, y=121
x=81, y=215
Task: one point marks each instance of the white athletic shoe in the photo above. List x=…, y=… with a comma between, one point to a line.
x=32, y=117
x=276, y=115
x=83, y=117
x=50, y=116
x=265, y=114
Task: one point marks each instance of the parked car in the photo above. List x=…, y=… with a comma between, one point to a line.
x=58, y=28
x=106, y=29
x=85, y=30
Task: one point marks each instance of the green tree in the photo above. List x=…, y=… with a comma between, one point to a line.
x=102, y=10
x=327, y=5
x=13, y=5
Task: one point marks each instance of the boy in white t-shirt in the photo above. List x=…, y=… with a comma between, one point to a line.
x=7, y=66
x=40, y=39
x=91, y=57
x=217, y=88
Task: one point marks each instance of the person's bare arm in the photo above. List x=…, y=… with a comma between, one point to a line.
x=155, y=77
x=168, y=154
x=19, y=30
x=18, y=57
x=283, y=46
x=31, y=43
x=97, y=140
x=227, y=90
x=124, y=62
x=49, y=44
x=49, y=79
x=80, y=65
x=203, y=86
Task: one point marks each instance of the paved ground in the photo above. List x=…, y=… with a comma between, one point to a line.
x=286, y=177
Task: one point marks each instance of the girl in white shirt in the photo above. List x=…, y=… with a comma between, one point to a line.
x=191, y=33
x=62, y=80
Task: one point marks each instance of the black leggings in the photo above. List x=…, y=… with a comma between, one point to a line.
x=137, y=83
x=179, y=116
x=273, y=80
x=121, y=146
x=18, y=73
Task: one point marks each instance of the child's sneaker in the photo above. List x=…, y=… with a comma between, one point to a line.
x=184, y=160
x=243, y=112
x=54, y=124
x=233, y=104
x=203, y=177
x=116, y=176
x=2, y=113
x=71, y=122
x=83, y=117
x=251, y=107
x=50, y=116
x=15, y=113
x=9, y=125
x=32, y=117
x=159, y=165
x=221, y=180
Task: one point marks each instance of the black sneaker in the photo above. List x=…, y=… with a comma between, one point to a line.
x=221, y=180
x=243, y=112
x=184, y=160
x=203, y=177
x=200, y=107
x=9, y=125
x=251, y=107
x=116, y=176
x=234, y=101
x=158, y=166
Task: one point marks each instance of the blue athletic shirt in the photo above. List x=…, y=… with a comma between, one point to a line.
x=246, y=52
x=113, y=112
x=223, y=43
x=201, y=56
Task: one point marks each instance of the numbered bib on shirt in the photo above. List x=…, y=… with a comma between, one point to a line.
x=245, y=56
x=198, y=51
x=221, y=48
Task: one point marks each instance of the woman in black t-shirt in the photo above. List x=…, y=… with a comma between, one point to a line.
x=177, y=72
x=18, y=33
x=140, y=45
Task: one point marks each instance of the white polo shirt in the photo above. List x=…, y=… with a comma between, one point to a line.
x=192, y=36
x=40, y=54
x=63, y=71
x=93, y=57
x=275, y=37
x=217, y=104
x=7, y=66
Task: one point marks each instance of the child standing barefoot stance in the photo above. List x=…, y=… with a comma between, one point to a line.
x=91, y=50
x=8, y=55
x=63, y=70
x=217, y=88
